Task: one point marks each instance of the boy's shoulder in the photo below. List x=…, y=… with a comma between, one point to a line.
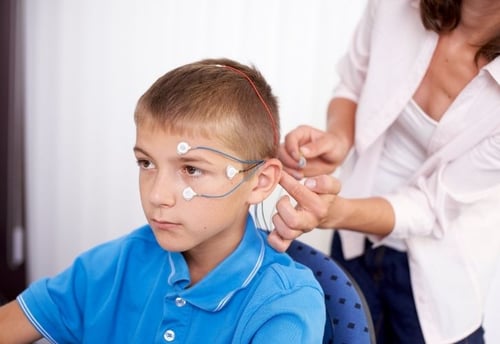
x=284, y=286
x=279, y=273
x=283, y=270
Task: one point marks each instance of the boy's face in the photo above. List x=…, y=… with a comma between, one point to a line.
x=200, y=223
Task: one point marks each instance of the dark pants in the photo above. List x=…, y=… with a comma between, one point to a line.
x=384, y=277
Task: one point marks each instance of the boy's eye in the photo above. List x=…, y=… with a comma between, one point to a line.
x=145, y=164
x=192, y=171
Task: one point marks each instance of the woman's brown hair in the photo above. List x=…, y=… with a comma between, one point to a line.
x=444, y=15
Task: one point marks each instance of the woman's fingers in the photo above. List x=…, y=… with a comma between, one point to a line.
x=313, y=200
x=276, y=241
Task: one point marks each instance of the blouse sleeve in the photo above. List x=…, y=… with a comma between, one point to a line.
x=467, y=187
x=352, y=67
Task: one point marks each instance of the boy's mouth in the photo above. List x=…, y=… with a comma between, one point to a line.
x=164, y=225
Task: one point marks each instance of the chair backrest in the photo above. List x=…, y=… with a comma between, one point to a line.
x=348, y=317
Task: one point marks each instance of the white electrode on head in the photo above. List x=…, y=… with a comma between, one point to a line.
x=183, y=148
x=188, y=193
x=231, y=172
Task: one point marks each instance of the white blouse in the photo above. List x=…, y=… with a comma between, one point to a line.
x=405, y=150
x=448, y=212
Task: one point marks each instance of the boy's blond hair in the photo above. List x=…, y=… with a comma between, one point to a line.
x=214, y=98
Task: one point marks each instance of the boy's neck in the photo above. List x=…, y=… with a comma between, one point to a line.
x=204, y=258
x=200, y=265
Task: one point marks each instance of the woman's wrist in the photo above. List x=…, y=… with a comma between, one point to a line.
x=368, y=215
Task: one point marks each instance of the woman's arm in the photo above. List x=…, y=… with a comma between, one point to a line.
x=319, y=207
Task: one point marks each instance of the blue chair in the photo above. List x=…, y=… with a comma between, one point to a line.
x=348, y=319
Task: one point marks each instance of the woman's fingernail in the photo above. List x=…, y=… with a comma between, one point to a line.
x=297, y=175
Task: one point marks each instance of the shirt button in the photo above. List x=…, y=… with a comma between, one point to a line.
x=180, y=302
x=169, y=335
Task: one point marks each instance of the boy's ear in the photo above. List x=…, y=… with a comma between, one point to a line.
x=268, y=177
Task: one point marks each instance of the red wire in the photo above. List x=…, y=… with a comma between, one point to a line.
x=271, y=118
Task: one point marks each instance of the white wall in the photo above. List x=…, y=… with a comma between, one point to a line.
x=89, y=61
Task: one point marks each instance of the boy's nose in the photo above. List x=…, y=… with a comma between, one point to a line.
x=163, y=191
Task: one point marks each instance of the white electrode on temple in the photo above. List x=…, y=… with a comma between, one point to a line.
x=231, y=171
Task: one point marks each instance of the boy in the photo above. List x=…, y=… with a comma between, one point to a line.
x=200, y=271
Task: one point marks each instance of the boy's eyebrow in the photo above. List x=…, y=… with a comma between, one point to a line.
x=196, y=158
x=184, y=158
x=140, y=150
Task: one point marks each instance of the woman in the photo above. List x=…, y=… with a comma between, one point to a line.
x=418, y=109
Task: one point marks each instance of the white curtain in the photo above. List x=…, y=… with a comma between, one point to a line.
x=87, y=62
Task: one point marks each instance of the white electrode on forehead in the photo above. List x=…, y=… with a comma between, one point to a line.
x=183, y=148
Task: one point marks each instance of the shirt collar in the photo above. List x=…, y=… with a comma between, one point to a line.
x=232, y=274
x=494, y=69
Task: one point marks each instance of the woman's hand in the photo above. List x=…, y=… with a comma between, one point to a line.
x=319, y=206
x=308, y=151
x=315, y=201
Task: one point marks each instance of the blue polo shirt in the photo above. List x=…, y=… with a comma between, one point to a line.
x=130, y=290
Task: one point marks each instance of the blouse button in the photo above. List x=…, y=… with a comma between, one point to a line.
x=180, y=302
x=169, y=335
